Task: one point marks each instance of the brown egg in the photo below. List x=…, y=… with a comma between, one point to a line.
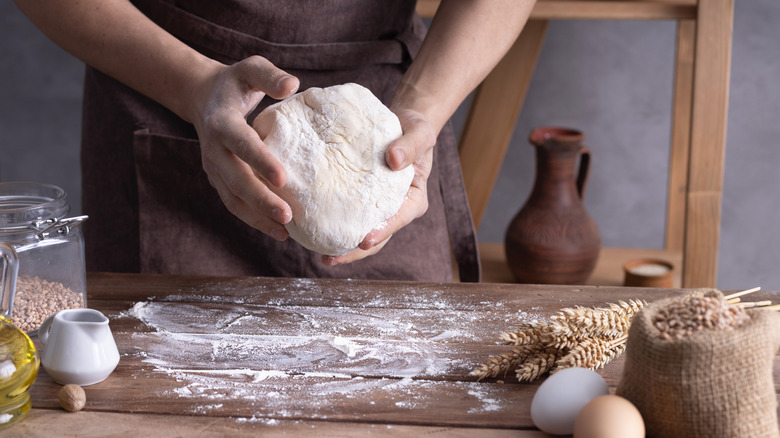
x=609, y=416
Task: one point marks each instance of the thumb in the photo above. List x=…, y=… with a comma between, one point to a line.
x=262, y=75
x=418, y=137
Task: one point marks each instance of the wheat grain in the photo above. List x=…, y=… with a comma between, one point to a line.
x=526, y=334
x=537, y=365
x=561, y=339
x=696, y=312
x=592, y=353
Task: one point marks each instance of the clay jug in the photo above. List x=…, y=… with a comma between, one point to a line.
x=552, y=239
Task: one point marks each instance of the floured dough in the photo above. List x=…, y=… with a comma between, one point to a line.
x=332, y=143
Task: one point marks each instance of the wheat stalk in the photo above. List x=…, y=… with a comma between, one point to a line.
x=576, y=336
x=501, y=364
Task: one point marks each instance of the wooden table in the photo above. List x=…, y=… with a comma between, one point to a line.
x=242, y=356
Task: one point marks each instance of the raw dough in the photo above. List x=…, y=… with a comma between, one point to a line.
x=332, y=143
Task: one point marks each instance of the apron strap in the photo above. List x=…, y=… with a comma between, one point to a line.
x=463, y=236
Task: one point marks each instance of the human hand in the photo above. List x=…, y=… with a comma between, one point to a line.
x=238, y=164
x=415, y=148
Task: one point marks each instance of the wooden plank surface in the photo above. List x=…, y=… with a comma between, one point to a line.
x=210, y=355
x=40, y=423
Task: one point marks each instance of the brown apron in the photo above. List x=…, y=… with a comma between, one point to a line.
x=150, y=203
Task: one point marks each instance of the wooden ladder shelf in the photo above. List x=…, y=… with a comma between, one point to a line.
x=698, y=137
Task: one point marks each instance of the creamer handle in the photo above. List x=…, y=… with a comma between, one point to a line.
x=43, y=330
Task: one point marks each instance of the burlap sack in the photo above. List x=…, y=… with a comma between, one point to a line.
x=711, y=384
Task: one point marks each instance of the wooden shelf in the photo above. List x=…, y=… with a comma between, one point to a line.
x=608, y=272
x=597, y=10
x=699, y=118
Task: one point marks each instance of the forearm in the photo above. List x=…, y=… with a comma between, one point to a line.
x=116, y=38
x=465, y=41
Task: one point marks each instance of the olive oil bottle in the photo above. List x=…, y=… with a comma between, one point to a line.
x=19, y=364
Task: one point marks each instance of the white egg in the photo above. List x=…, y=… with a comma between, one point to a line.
x=560, y=398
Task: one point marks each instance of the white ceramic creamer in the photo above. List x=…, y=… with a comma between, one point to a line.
x=80, y=348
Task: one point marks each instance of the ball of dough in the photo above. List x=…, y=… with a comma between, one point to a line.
x=332, y=143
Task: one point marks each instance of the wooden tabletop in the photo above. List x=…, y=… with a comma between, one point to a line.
x=206, y=356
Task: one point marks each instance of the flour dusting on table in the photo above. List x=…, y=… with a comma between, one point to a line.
x=295, y=361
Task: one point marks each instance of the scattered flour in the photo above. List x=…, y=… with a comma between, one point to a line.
x=281, y=361
x=488, y=404
x=254, y=419
x=343, y=345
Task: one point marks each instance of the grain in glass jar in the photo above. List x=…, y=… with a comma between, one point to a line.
x=42, y=252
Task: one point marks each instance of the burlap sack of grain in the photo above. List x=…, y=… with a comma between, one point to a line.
x=710, y=384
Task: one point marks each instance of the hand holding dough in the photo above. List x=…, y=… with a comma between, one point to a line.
x=332, y=143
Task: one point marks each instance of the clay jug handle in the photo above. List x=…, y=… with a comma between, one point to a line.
x=582, y=176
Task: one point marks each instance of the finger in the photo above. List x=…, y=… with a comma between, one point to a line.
x=245, y=143
x=288, y=85
x=355, y=255
x=419, y=137
x=415, y=203
x=257, y=196
x=245, y=195
x=250, y=216
x=261, y=74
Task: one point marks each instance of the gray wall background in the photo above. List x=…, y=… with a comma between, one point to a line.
x=610, y=79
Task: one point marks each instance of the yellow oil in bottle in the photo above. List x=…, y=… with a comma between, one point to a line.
x=18, y=369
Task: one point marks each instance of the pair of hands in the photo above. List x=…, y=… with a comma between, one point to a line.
x=233, y=153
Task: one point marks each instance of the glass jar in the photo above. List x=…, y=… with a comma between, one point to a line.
x=43, y=254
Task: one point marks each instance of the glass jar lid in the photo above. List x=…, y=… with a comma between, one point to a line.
x=24, y=203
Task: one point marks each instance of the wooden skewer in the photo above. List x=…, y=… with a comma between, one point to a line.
x=618, y=341
x=775, y=307
x=733, y=301
x=755, y=304
x=744, y=292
